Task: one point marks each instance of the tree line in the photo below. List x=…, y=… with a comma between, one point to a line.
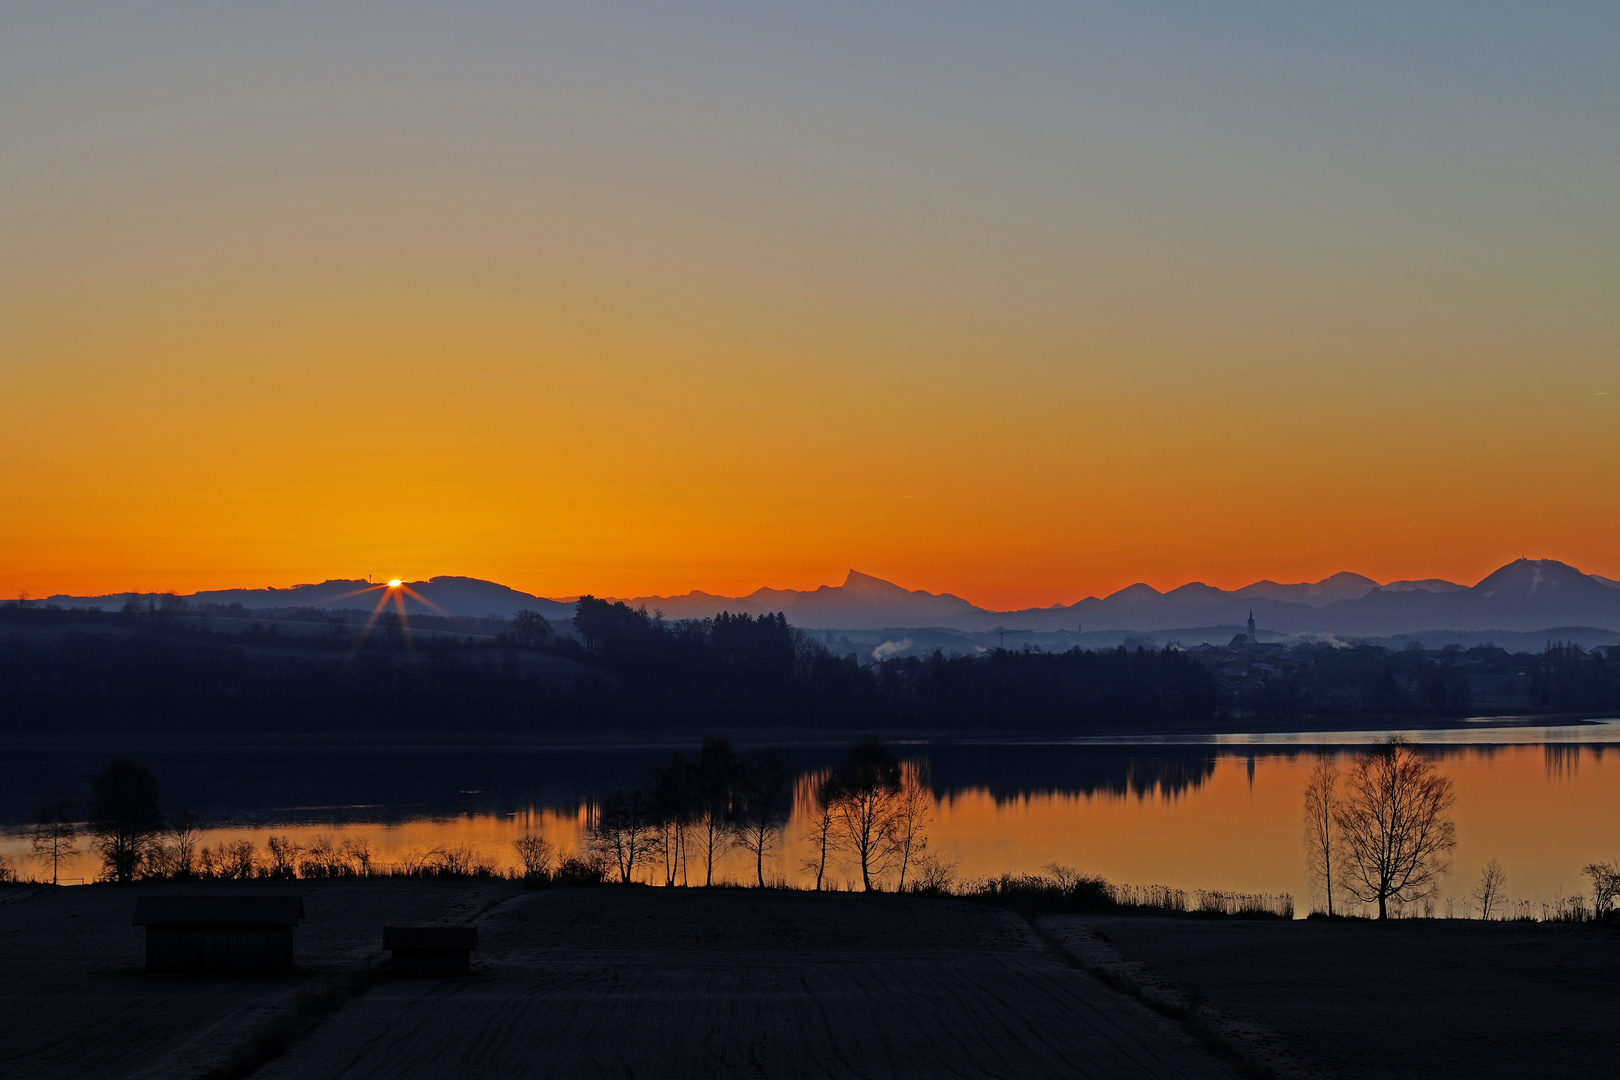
x=621, y=667
x=872, y=809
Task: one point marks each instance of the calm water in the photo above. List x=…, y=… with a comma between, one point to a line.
x=1221, y=814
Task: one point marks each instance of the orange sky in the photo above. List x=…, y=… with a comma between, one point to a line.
x=579, y=309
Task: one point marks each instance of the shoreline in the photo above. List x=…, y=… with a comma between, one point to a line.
x=1263, y=734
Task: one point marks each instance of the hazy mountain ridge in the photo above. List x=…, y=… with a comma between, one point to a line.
x=1525, y=595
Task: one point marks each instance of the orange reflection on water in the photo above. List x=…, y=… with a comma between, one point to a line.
x=1233, y=823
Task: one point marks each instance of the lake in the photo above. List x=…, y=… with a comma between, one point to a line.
x=1218, y=812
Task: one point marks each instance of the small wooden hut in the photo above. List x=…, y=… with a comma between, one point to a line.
x=218, y=934
x=431, y=950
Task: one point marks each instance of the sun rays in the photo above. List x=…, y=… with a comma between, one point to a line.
x=394, y=591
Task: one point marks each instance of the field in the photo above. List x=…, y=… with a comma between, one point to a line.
x=591, y=982
x=76, y=1003
x=1354, y=1000
x=742, y=983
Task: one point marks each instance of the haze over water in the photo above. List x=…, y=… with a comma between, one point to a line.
x=1216, y=816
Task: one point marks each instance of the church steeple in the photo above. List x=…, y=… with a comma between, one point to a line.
x=1249, y=637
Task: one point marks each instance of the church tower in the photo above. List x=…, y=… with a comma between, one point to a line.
x=1248, y=639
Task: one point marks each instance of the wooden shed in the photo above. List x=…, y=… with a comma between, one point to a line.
x=431, y=950
x=218, y=934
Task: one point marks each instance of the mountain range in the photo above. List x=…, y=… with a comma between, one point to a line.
x=1524, y=595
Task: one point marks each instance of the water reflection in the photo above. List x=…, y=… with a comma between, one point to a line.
x=226, y=789
x=1224, y=816
x=1015, y=773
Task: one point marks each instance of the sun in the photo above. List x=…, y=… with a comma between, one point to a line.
x=396, y=583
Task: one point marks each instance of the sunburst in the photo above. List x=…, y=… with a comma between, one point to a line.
x=394, y=591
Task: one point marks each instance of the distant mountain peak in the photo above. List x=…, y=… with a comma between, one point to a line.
x=1140, y=591
x=1526, y=594
x=855, y=581
x=1531, y=576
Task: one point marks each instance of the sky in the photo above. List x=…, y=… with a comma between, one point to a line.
x=1020, y=301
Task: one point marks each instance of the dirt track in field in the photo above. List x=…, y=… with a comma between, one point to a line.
x=671, y=983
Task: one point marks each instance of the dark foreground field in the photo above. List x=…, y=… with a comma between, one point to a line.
x=1356, y=1000
x=590, y=983
x=742, y=983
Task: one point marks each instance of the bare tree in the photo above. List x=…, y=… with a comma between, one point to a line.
x=818, y=826
x=208, y=862
x=767, y=800
x=240, y=859
x=675, y=811
x=1321, y=800
x=55, y=836
x=1488, y=889
x=1394, y=826
x=913, y=812
x=357, y=849
x=183, y=857
x=323, y=858
x=535, y=851
x=283, y=862
x=933, y=874
x=716, y=778
x=624, y=831
x=1605, y=887
x=124, y=817
x=865, y=797
x=460, y=860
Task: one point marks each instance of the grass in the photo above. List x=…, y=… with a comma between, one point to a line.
x=1066, y=890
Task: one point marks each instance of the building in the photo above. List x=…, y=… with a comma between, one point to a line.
x=431, y=950
x=1242, y=640
x=218, y=934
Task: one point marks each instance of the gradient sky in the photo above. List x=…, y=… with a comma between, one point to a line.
x=1019, y=301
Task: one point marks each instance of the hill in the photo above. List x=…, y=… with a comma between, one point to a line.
x=1526, y=595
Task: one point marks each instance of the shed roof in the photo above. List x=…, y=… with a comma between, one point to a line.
x=218, y=910
x=430, y=937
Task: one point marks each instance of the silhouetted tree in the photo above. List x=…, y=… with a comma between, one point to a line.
x=1605, y=878
x=624, y=831
x=1321, y=801
x=1488, y=889
x=674, y=811
x=912, y=814
x=535, y=852
x=715, y=783
x=765, y=803
x=531, y=629
x=1394, y=826
x=818, y=826
x=357, y=849
x=864, y=804
x=283, y=860
x=239, y=859
x=124, y=816
x=614, y=630
x=55, y=837
x=183, y=861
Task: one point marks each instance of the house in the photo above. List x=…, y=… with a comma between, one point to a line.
x=218, y=934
